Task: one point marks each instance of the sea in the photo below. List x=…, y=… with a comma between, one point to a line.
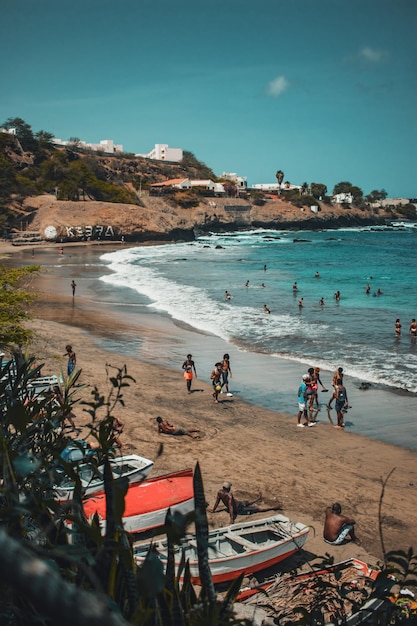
x=187, y=283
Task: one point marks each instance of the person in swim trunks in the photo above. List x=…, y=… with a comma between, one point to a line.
x=167, y=428
x=189, y=367
x=235, y=507
x=338, y=527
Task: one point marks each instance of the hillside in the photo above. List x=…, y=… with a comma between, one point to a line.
x=70, y=195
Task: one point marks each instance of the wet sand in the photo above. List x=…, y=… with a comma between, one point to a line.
x=256, y=449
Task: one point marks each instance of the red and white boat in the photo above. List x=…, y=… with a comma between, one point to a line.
x=239, y=548
x=147, y=503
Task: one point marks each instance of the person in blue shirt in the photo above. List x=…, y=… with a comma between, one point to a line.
x=302, y=403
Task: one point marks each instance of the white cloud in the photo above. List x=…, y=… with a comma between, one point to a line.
x=277, y=86
x=371, y=54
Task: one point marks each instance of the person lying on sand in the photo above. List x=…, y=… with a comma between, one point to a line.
x=235, y=507
x=169, y=429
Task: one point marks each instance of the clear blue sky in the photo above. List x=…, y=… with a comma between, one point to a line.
x=324, y=90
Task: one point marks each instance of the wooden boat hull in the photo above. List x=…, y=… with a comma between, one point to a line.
x=134, y=467
x=147, y=503
x=239, y=548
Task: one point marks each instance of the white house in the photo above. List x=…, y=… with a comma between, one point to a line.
x=204, y=184
x=106, y=145
x=275, y=186
x=343, y=198
x=241, y=182
x=162, y=152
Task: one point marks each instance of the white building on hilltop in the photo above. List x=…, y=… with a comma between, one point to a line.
x=162, y=152
x=241, y=182
x=106, y=145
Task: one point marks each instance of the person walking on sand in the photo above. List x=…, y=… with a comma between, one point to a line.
x=302, y=403
x=217, y=381
x=72, y=360
x=167, y=428
x=226, y=370
x=73, y=286
x=398, y=326
x=337, y=527
x=235, y=507
x=189, y=367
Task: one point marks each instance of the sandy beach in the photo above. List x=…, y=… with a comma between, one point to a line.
x=304, y=470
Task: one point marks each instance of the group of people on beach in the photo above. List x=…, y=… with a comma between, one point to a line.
x=219, y=375
x=308, y=397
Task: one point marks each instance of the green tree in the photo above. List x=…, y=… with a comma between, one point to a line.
x=318, y=190
x=376, y=196
x=280, y=177
x=44, y=139
x=201, y=169
x=347, y=187
x=14, y=300
x=23, y=133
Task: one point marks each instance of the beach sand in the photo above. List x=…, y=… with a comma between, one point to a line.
x=303, y=470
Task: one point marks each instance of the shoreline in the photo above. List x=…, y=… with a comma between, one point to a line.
x=253, y=447
x=256, y=374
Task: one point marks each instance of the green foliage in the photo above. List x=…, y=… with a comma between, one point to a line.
x=201, y=169
x=376, y=196
x=408, y=211
x=184, y=199
x=279, y=176
x=318, y=190
x=301, y=201
x=41, y=550
x=14, y=300
x=23, y=133
x=347, y=187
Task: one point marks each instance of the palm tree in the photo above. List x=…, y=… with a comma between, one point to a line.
x=280, y=177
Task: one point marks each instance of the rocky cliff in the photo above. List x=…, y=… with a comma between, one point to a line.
x=45, y=218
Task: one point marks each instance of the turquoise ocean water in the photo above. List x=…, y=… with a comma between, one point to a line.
x=187, y=282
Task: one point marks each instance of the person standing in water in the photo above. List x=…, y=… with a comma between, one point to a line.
x=189, y=368
x=225, y=372
x=398, y=326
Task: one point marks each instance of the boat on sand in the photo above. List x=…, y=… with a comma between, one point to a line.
x=132, y=466
x=147, y=503
x=236, y=549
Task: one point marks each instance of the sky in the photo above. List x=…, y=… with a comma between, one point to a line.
x=324, y=90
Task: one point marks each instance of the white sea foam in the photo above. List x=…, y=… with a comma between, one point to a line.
x=187, y=281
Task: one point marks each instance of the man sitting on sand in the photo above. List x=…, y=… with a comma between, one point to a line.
x=235, y=508
x=337, y=527
x=169, y=429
